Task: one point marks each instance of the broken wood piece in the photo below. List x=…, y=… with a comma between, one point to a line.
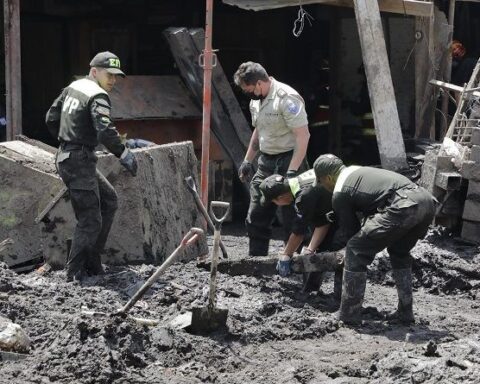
x=266, y=266
x=51, y=204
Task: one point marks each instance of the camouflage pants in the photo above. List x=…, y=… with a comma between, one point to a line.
x=397, y=227
x=94, y=202
x=260, y=217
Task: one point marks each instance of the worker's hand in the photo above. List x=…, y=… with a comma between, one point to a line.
x=246, y=171
x=307, y=251
x=128, y=161
x=291, y=173
x=283, y=265
x=138, y=143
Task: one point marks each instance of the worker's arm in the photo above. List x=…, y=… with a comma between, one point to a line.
x=253, y=147
x=302, y=135
x=52, y=119
x=317, y=237
x=347, y=221
x=106, y=132
x=294, y=241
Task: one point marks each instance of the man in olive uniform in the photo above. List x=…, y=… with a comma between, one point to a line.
x=80, y=119
x=396, y=212
x=313, y=207
x=281, y=135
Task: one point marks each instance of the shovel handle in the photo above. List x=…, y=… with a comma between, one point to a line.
x=221, y=205
x=191, y=236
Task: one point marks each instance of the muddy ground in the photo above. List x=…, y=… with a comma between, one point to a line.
x=276, y=333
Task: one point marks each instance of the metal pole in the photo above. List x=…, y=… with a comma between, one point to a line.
x=13, y=69
x=448, y=69
x=207, y=101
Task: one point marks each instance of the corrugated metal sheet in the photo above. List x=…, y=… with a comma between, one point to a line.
x=152, y=97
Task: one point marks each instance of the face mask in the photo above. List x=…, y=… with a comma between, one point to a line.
x=253, y=96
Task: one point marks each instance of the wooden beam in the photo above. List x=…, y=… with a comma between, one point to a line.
x=406, y=7
x=382, y=97
x=13, y=70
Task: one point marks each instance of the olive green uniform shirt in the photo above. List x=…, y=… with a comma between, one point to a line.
x=275, y=117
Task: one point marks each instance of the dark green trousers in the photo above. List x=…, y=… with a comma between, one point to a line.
x=397, y=228
x=94, y=202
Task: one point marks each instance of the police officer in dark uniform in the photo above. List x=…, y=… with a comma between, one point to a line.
x=396, y=213
x=80, y=119
x=313, y=207
x=281, y=136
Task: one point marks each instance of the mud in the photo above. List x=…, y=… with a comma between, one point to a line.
x=276, y=333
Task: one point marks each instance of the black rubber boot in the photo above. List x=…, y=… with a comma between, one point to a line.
x=312, y=281
x=258, y=247
x=94, y=264
x=353, y=291
x=403, y=281
x=337, y=285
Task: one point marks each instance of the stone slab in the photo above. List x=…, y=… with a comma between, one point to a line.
x=471, y=210
x=471, y=231
x=475, y=140
x=475, y=153
x=470, y=170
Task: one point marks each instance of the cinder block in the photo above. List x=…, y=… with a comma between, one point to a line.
x=471, y=231
x=475, y=153
x=475, y=140
x=470, y=170
x=471, y=210
x=448, y=180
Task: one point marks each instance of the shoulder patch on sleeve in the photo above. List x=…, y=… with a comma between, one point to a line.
x=293, y=106
x=103, y=111
x=102, y=101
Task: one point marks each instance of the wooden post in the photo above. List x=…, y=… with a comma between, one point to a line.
x=13, y=71
x=335, y=126
x=448, y=67
x=380, y=86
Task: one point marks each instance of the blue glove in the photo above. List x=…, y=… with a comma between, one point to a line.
x=138, y=143
x=246, y=171
x=291, y=174
x=128, y=161
x=283, y=265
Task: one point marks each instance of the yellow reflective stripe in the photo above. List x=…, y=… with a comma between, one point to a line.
x=343, y=176
x=294, y=185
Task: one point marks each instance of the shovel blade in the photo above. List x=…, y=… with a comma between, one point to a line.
x=206, y=320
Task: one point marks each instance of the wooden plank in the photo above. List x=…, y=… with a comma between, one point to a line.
x=265, y=266
x=186, y=57
x=452, y=87
x=407, y=7
x=223, y=91
x=380, y=86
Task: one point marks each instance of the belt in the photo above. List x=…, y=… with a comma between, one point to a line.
x=277, y=154
x=76, y=147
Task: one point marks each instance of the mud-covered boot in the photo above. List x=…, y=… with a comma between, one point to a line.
x=403, y=281
x=94, y=264
x=337, y=285
x=312, y=281
x=353, y=291
x=258, y=247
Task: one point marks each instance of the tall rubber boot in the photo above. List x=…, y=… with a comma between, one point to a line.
x=93, y=264
x=353, y=291
x=403, y=281
x=258, y=247
x=337, y=285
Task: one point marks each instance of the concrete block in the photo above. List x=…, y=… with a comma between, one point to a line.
x=470, y=170
x=155, y=209
x=473, y=192
x=28, y=181
x=475, y=153
x=471, y=210
x=448, y=180
x=471, y=231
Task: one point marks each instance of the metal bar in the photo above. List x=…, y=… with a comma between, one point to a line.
x=207, y=101
x=13, y=72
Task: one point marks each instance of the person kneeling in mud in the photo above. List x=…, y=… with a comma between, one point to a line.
x=313, y=207
x=396, y=212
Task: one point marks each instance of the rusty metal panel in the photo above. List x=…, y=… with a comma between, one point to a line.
x=152, y=97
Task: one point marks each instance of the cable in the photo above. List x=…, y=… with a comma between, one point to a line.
x=299, y=23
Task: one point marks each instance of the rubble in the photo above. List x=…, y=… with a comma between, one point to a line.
x=276, y=333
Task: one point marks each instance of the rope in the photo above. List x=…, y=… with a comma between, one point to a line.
x=299, y=23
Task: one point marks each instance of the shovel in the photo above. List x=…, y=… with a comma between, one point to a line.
x=193, y=189
x=210, y=318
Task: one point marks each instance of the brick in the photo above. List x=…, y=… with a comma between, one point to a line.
x=475, y=140
x=471, y=231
